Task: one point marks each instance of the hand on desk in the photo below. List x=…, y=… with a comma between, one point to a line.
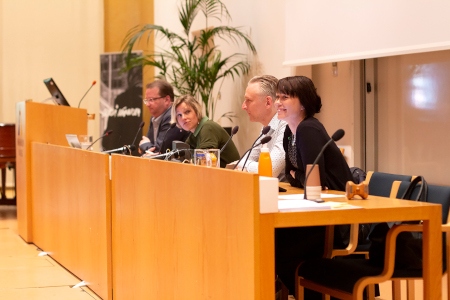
x=143, y=141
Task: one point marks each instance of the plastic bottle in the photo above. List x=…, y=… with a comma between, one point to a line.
x=265, y=163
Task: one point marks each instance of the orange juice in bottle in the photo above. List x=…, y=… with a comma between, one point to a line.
x=265, y=163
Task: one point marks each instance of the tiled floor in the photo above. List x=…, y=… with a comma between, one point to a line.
x=25, y=275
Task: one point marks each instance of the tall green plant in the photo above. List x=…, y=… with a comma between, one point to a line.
x=193, y=64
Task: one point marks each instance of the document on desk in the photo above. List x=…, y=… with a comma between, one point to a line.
x=300, y=196
x=295, y=202
x=301, y=205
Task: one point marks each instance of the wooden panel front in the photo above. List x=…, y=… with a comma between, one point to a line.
x=71, y=211
x=46, y=123
x=184, y=231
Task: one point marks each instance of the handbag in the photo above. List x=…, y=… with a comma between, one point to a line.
x=408, y=254
x=342, y=232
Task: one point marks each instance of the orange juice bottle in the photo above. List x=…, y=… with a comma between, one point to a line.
x=265, y=163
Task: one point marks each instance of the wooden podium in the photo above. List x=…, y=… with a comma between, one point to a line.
x=46, y=123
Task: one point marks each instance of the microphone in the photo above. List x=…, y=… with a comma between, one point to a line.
x=264, y=140
x=129, y=148
x=106, y=134
x=233, y=132
x=335, y=137
x=139, y=129
x=93, y=83
x=172, y=125
x=264, y=131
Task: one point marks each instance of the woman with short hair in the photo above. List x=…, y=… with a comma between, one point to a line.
x=205, y=133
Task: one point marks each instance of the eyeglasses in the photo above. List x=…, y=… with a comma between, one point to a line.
x=151, y=100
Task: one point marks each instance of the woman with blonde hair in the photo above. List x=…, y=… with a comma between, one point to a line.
x=205, y=133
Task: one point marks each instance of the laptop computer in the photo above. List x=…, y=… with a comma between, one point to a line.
x=58, y=97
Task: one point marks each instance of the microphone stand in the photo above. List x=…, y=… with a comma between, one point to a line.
x=93, y=83
x=106, y=134
x=233, y=132
x=264, y=140
x=123, y=149
x=264, y=131
x=335, y=137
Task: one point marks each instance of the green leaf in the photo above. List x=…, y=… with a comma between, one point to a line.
x=193, y=64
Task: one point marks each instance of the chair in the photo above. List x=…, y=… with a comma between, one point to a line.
x=7, y=158
x=380, y=184
x=347, y=278
x=436, y=194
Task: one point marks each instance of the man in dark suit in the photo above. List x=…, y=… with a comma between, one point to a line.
x=159, y=97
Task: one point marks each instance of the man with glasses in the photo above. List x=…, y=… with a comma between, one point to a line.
x=159, y=97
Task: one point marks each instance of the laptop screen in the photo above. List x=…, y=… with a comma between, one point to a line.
x=55, y=92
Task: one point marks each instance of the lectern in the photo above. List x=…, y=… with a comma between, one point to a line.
x=46, y=123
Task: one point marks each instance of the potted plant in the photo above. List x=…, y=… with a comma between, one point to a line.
x=192, y=63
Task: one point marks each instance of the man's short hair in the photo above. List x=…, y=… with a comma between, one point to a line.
x=267, y=84
x=165, y=89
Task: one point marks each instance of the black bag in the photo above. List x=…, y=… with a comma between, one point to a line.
x=408, y=254
x=358, y=174
x=342, y=235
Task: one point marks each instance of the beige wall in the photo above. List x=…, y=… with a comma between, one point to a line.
x=340, y=103
x=63, y=39
x=51, y=38
x=414, y=115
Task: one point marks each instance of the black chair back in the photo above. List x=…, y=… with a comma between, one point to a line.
x=380, y=183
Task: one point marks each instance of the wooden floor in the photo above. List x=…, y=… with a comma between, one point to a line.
x=26, y=275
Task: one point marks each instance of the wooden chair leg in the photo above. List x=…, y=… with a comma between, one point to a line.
x=396, y=290
x=447, y=237
x=371, y=292
x=3, y=194
x=410, y=289
x=300, y=292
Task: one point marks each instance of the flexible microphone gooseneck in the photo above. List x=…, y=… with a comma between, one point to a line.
x=335, y=137
x=172, y=125
x=168, y=154
x=264, y=131
x=233, y=132
x=139, y=129
x=264, y=140
x=106, y=134
x=93, y=83
x=126, y=148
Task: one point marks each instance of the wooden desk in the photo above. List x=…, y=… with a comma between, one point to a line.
x=71, y=211
x=380, y=209
x=191, y=232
